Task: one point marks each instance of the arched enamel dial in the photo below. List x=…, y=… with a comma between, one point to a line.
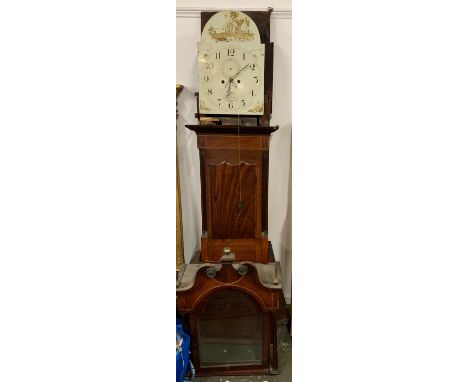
x=231, y=79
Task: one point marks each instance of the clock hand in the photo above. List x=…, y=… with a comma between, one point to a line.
x=231, y=79
x=235, y=75
x=231, y=82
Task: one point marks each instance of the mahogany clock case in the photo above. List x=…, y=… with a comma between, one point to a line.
x=234, y=189
x=231, y=310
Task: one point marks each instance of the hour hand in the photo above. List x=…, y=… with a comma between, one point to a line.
x=229, y=83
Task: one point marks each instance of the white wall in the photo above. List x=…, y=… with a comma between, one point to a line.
x=188, y=34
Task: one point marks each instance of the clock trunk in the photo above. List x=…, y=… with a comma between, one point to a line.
x=234, y=184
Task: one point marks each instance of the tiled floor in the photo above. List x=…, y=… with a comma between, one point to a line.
x=284, y=364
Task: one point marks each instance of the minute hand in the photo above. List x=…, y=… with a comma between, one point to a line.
x=235, y=75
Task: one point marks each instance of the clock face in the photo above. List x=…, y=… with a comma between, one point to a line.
x=231, y=78
x=231, y=62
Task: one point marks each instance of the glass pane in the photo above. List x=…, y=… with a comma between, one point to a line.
x=230, y=329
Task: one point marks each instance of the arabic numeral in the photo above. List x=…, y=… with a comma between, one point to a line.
x=210, y=91
x=256, y=80
x=252, y=92
x=218, y=55
x=231, y=51
x=243, y=102
x=209, y=65
x=252, y=66
x=230, y=105
x=219, y=101
x=206, y=78
x=243, y=56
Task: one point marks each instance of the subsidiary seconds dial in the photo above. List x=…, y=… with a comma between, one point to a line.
x=231, y=80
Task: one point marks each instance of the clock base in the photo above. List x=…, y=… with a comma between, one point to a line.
x=244, y=249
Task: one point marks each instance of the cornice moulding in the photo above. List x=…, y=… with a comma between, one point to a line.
x=194, y=12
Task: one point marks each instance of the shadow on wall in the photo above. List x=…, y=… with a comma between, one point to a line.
x=189, y=164
x=286, y=237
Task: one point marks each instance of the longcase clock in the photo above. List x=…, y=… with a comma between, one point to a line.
x=231, y=297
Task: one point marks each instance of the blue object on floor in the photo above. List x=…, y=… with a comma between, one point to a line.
x=182, y=353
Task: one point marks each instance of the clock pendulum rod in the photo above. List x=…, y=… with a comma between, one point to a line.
x=241, y=204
